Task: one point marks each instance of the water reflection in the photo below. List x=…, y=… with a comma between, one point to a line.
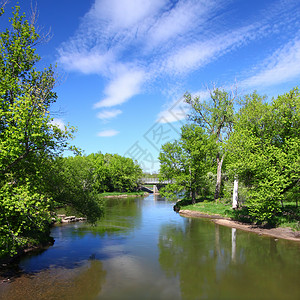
x=233, y=244
x=122, y=215
x=153, y=253
x=215, y=262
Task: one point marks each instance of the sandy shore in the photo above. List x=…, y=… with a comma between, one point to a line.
x=280, y=232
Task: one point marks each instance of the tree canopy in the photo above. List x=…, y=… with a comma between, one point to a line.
x=262, y=146
x=186, y=161
x=215, y=116
x=265, y=151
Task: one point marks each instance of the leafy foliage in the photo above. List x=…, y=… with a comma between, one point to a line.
x=265, y=151
x=215, y=116
x=78, y=181
x=28, y=140
x=187, y=161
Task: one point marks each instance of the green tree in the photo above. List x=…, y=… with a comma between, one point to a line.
x=215, y=116
x=71, y=183
x=28, y=140
x=265, y=151
x=186, y=161
x=124, y=174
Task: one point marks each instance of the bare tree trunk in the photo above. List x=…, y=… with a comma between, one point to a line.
x=219, y=176
x=235, y=194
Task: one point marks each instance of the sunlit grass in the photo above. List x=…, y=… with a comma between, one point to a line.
x=211, y=208
x=288, y=217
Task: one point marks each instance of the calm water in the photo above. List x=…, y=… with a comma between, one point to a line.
x=142, y=249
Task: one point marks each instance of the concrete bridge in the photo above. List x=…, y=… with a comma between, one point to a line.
x=156, y=184
x=154, y=181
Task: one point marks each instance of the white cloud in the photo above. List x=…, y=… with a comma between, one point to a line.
x=108, y=133
x=182, y=18
x=125, y=14
x=108, y=114
x=133, y=42
x=134, y=31
x=58, y=123
x=122, y=89
x=87, y=63
x=282, y=66
x=195, y=55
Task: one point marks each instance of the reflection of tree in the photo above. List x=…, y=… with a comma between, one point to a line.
x=215, y=262
x=121, y=215
x=69, y=284
x=195, y=254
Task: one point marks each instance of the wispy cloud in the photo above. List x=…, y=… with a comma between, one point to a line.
x=87, y=63
x=138, y=35
x=280, y=67
x=196, y=55
x=108, y=133
x=132, y=43
x=122, y=88
x=120, y=15
x=108, y=114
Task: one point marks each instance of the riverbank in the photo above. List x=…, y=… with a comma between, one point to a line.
x=279, y=232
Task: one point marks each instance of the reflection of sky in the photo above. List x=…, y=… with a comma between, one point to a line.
x=161, y=255
x=69, y=250
x=132, y=277
x=74, y=244
x=135, y=269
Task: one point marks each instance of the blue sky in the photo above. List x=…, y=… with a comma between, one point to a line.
x=124, y=65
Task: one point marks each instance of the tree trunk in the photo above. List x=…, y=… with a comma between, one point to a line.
x=235, y=194
x=193, y=196
x=219, y=176
x=192, y=191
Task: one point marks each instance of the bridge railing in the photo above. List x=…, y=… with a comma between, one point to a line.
x=154, y=181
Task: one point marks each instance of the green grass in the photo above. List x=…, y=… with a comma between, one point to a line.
x=289, y=217
x=211, y=208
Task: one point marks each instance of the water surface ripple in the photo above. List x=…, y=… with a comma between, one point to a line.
x=142, y=249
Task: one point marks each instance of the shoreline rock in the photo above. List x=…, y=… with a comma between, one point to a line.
x=279, y=232
x=70, y=219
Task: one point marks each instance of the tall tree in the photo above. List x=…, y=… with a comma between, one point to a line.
x=28, y=139
x=215, y=116
x=186, y=161
x=265, y=151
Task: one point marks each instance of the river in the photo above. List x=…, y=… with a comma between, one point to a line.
x=142, y=249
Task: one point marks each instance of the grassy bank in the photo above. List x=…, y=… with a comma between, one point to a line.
x=288, y=217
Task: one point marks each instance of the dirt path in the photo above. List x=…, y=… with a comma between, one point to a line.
x=280, y=232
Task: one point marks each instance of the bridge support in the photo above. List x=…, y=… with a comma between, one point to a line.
x=155, y=190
